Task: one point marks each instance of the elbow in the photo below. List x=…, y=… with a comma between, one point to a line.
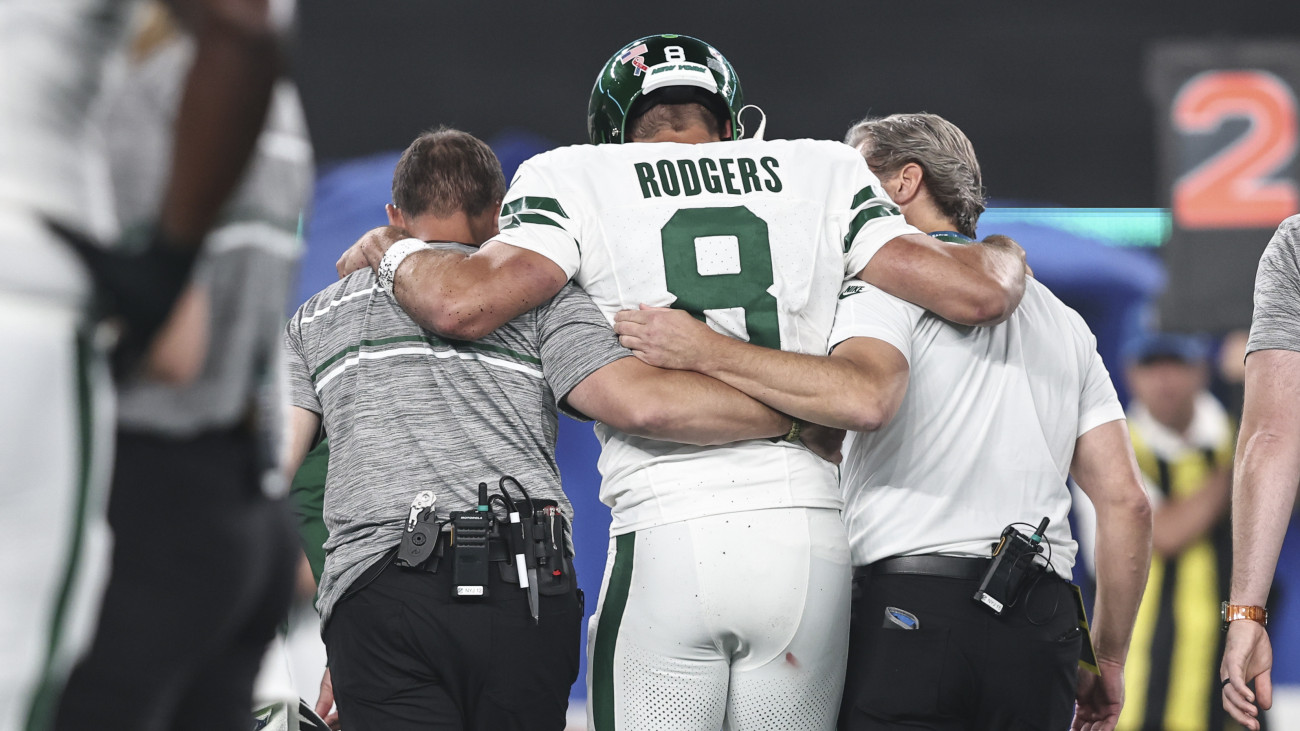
x=1137, y=506
x=453, y=320
x=647, y=419
x=866, y=419
x=870, y=411
x=990, y=306
x=1130, y=508
x=461, y=328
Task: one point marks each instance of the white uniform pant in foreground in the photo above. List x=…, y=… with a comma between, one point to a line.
x=55, y=442
x=736, y=621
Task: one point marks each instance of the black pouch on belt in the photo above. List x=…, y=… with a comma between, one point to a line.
x=547, y=539
x=551, y=539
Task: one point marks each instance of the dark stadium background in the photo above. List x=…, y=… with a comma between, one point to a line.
x=1051, y=92
x=1055, y=97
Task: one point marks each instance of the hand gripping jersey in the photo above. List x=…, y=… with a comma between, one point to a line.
x=754, y=237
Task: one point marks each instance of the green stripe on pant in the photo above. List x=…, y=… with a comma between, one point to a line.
x=40, y=713
x=611, y=617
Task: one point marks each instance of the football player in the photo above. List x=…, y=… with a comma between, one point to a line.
x=726, y=594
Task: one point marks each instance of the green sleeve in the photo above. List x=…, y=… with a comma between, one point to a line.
x=307, y=496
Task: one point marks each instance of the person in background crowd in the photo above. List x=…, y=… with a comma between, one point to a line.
x=1266, y=474
x=202, y=566
x=1184, y=440
x=56, y=424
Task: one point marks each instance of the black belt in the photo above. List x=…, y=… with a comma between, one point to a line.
x=930, y=564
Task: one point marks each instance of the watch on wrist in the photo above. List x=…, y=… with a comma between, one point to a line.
x=1230, y=613
x=796, y=427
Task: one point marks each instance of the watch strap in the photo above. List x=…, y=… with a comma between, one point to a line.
x=1233, y=612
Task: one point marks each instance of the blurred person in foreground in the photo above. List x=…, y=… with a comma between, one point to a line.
x=408, y=412
x=962, y=432
x=1266, y=474
x=725, y=600
x=56, y=424
x=1184, y=440
x=203, y=559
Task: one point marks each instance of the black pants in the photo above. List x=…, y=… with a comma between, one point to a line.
x=963, y=668
x=202, y=575
x=404, y=654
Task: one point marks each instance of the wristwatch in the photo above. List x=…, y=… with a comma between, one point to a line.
x=1230, y=613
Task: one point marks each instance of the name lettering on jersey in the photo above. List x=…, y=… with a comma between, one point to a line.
x=732, y=176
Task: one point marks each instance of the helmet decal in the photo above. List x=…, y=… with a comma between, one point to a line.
x=658, y=62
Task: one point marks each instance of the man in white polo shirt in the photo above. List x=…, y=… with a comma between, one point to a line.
x=965, y=432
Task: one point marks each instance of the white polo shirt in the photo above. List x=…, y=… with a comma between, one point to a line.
x=985, y=434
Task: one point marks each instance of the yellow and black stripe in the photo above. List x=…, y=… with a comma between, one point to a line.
x=1171, y=678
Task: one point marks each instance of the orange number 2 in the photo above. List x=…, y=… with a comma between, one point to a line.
x=1232, y=189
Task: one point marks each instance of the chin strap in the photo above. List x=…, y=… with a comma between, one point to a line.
x=762, y=121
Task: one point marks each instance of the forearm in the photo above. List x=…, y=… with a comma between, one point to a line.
x=1266, y=471
x=998, y=281
x=1262, y=501
x=465, y=297
x=1106, y=469
x=1123, y=559
x=427, y=288
x=976, y=284
x=675, y=406
x=694, y=409
x=221, y=115
x=832, y=391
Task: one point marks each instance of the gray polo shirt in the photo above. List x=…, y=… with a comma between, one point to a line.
x=1276, y=324
x=407, y=411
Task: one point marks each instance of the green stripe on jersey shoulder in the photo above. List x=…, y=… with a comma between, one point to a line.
x=428, y=339
x=870, y=192
x=533, y=203
x=863, y=196
x=860, y=220
x=522, y=218
x=611, y=618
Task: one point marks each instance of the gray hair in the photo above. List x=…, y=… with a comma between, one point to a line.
x=952, y=174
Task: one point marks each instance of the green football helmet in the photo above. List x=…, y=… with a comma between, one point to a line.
x=671, y=67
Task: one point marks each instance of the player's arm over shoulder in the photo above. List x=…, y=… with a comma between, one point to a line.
x=534, y=252
x=969, y=284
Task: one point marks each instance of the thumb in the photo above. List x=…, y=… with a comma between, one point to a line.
x=1264, y=690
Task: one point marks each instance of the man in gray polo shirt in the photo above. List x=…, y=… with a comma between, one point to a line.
x=1266, y=473
x=407, y=411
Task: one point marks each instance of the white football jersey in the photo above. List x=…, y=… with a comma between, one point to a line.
x=53, y=57
x=755, y=237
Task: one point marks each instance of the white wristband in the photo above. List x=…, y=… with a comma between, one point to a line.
x=393, y=259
